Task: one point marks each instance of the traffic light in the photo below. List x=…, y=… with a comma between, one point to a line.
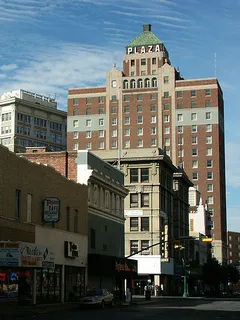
x=207, y=239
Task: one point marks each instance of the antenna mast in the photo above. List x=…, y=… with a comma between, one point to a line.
x=215, y=64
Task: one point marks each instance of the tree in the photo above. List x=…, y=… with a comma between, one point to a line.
x=213, y=275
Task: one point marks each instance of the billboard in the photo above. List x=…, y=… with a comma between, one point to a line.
x=9, y=254
x=51, y=209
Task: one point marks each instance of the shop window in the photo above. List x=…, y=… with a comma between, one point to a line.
x=74, y=283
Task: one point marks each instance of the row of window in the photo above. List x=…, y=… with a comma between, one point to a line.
x=140, y=83
x=194, y=128
x=208, y=140
x=6, y=116
x=209, y=175
x=208, y=152
x=101, y=100
x=134, y=246
x=193, y=116
x=6, y=130
x=39, y=122
x=193, y=93
x=139, y=200
x=136, y=226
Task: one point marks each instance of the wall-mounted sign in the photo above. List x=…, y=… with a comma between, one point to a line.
x=133, y=212
x=70, y=249
x=9, y=254
x=38, y=256
x=51, y=210
x=126, y=267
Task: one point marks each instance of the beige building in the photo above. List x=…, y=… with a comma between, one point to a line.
x=28, y=119
x=42, y=214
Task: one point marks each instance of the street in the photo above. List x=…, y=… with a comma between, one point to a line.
x=164, y=309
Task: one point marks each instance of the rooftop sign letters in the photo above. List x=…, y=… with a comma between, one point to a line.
x=51, y=210
x=144, y=49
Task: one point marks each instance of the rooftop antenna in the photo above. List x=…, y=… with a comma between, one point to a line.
x=215, y=64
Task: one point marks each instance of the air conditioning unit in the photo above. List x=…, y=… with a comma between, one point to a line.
x=146, y=252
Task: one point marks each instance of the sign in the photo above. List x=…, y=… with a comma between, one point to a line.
x=70, y=249
x=34, y=255
x=9, y=254
x=51, y=210
x=133, y=212
x=144, y=49
x=125, y=267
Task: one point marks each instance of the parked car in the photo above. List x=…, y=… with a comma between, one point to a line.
x=99, y=297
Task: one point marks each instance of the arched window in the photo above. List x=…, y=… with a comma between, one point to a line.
x=140, y=83
x=125, y=84
x=132, y=84
x=154, y=82
x=147, y=83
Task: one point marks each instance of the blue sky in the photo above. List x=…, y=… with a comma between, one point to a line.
x=51, y=45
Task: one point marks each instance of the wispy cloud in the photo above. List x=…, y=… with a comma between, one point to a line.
x=8, y=67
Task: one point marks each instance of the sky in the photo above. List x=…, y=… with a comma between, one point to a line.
x=52, y=45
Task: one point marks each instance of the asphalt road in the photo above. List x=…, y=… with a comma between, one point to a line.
x=164, y=309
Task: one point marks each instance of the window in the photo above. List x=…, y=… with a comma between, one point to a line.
x=88, y=100
x=143, y=62
x=154, y=60
x=193, y=116
x=195, y=176
x=180, y=141
x=179, y=105
x=194, y=128
x=125, y=84
x=167, y=142
x=127, y=120
x=180, y=153
x=153, y=119
x=153, y=131
x=139, y=108
x=140, y=131
x=114, y=121
x=75, y=123
x=144, y=223
x=166, y=106
x=147, y=83
x=194, y=140
x=153, y=142
x=133, y=200
x=179, y=94
x=17, y=203
x=126, y=98
x=88, y=134
x=88, y=123
x=89, y=145
x=101, y=133
x=114, y=133
x=153, y=108
x=193, y=104
x=153, y=96
x=140, y=119
x=166, y=130
x=133, y=246
x=210, y=200
x=166, y=79
x=140, y=143
x=193, y=93
x=209, y=140
x=144, y=175
x=166, y=94
x=101, y=111
x=133, y=175
x=208, y=128
x=207, y=103
x=209, y=163
x=134, y=224
x=126, y=109
x=209, y=175
x=67, y=218
x=75, y=146
x=114, y=110
x=132, y=63
x=92, y=238
x=89, y=111
x=210, y=187
x=127, y=132
x=144, y=200
x=145, y=246
x=114, y=144
x=114, y=98
x=179, y=117
x=194, y=152
x=101, y=122
x=139, y=97
x=211, y=211
x=132, y=84
x=101, y=145
x=114, y=83
x=127, y=144
x=75, y=101
x=29, y=207
x=194, y=164
x=154, y=83
x=180, y=129
x=101, y=99
x=207, y=92
x=208, y=115
x=209, y=152
x=166, y=118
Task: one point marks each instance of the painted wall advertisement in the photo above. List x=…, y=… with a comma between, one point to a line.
x=23, y=254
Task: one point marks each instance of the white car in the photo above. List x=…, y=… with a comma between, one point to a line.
x=98, y=297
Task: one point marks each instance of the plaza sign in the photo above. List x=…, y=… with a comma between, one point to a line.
x=144, y=49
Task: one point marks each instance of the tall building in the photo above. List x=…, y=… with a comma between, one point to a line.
x=233, y=247
x=31, y=120
x=150, y=105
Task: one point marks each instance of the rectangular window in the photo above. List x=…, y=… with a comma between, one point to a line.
x=209, y=175
x=75, y=112
x=101, y=133
x=194, y=164
x=114, y=98
x=153, y=119
x=209, y=140
x=208, y=128
x=17, y=203
x=194, y=152
x=92, y=238
x=194, y=128
x=194, y=140
x=101, y=145
x=180, y=141
x=166, y=94
x=209, y=164
x=101, y=111
x=132, y=63
x=193, y=93
x=193, y=104
x=153, y=108
x=179, y=117
x=140, y=119
x=154, y=60
x=89, y=145
x=208, y=115
x=101, y=99
x=88, y=123
x=75, y=124
x=207, y=92
x=114, y=121
x=101, y=122
x=144, y=175
x=180, y=129
x=193, y=116
x=126, y=109
x=139, y=97
x=166, y=79
x=179, y=105
x=89, y=111
x=127, y=132
x=153, y=131
x=133, y=175
x=153, y=96
x=153, y=142
x=207, y=103
x=88, y=134
x=210, y=187
x=166, y=118
x=140, y=131
x=114, y=110
x=75, y=146
x=126, y=98
x=133, y=246
x=166, y=130
x=143, y=62
x=166, y=106
x=210, y=200
x=133, y=200
x=139, y=108
x=114, y=133
x=179, y=94
x=127, y=120
x=68, y=218
x=140, y=143
x=209, y=152
x=145, y=246
x=134, y=224
x=127, y=144
x=29, y=207
x=114, y=144
x=144, y=200
x=167, y=142
x=76, y=221
x=88, y=100
x=75, y=101
x=195, y=176
x=144, y=223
